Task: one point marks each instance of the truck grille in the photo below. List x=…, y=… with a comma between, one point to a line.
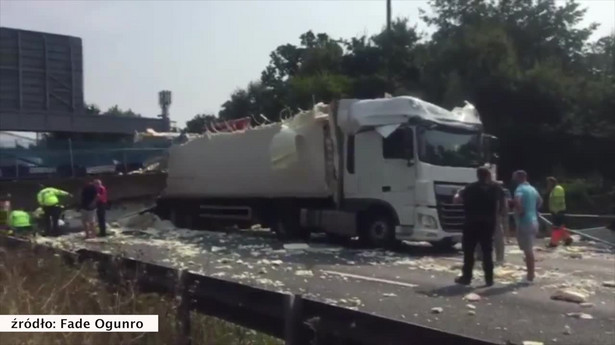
x=451, y=215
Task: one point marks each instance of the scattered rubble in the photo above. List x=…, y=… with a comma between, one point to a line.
x=471, y=306
x=296, y=246
x=304, y=273
x=567, y=330
x=471, y=312
x=586, y=305
x=530, y=342
x=569, y=296
x=436, y=310
x=583, y=316
x=389, y=295
x=472, y=297
x=610, y=283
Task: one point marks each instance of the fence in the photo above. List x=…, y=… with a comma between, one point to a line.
x=294, y=318
x=21, y=163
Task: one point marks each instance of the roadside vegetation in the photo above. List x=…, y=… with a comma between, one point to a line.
x=35, y=284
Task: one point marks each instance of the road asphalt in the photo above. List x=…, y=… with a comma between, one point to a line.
x=406, y=283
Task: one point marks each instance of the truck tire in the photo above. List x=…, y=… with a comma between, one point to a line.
x=377, y=229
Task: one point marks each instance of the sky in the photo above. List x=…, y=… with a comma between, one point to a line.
x=202, y=50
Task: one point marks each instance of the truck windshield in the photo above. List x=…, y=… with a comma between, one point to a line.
x=450, y=147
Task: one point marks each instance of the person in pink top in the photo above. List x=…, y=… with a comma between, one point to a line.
x=101, y=207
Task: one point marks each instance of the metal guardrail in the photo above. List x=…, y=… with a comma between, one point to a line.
x=584, y=232
x=295, y=319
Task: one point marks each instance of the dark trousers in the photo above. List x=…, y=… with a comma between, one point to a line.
x=478, y=233
x=51, y=218
x=101, y=213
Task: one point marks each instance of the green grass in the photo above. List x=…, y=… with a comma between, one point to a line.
x=35, y=284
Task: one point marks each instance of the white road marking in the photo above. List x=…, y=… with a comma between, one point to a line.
x=385, y=281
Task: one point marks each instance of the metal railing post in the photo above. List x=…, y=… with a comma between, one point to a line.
x=293, y=330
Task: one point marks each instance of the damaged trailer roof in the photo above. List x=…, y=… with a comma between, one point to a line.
x=353, y=114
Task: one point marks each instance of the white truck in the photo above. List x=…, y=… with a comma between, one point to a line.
x=380, y=169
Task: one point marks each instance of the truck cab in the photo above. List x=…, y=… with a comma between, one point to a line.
x=403, y=161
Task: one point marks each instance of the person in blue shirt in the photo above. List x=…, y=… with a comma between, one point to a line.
x=527, y=202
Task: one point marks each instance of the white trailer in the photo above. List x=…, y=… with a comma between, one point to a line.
x=382, y=169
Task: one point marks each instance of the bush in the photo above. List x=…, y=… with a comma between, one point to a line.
x=34, y=284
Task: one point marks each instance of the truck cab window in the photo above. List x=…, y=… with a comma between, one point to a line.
x=398, y=145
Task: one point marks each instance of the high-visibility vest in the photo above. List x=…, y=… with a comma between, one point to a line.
x=49, y=196
x=19, y=219
x=557, y=199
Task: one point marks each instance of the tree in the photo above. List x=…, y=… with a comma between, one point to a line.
x=199, y=123
x=116, y=111
x=528, y=66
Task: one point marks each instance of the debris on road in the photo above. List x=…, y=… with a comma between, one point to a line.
x=530, y=342
x=304, y=273
x=583, y=316
x=471, y=312
x=215, y=249
x=610, y=283
x=471, y=306
x=567, y=330
x=436, y=310
x=472, y=297
x=569, y=295
x=586, y=305
x=296, y=246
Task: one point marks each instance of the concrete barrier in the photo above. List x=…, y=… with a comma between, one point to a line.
x=120, y=187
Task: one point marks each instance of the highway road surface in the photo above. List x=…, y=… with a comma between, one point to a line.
x=405, y=284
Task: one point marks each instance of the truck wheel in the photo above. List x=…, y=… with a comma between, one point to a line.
x=446, y=244
x=378, y=230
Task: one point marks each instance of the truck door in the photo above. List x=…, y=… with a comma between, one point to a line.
x=399, y=172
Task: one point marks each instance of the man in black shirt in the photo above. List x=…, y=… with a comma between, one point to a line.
x=89, y=198
x=480, y=202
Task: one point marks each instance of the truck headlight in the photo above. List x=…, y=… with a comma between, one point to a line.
x=427, y=221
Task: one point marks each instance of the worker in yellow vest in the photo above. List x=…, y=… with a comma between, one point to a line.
x=19, y=221
x=48, y=199
x=557, y=207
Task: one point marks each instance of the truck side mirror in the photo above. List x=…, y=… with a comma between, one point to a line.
x=490, y=145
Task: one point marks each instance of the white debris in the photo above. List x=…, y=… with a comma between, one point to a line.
x=530, y=342
x=224, y=267
x=471, y=306
x=262, y=271
x=276, y=262
x=471, y=312
x=304, y=273
x=266, y=281
x=215, y=249
x=218, y=274
x=296, y=246
x=586, y=305
x=610, y=283
x=569, y=295
x=472, y=297
x=389, y=295
x=567, y=330
x=436, y=310
x=583, y=316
